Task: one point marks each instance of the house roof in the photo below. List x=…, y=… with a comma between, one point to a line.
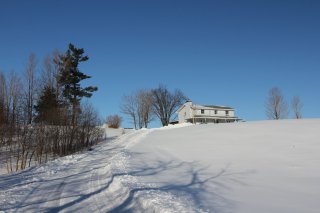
x=218, y=107
x=181, y=107
x=197, y=106
x=211, y=107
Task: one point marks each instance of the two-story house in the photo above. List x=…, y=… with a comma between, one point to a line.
x=194, y=113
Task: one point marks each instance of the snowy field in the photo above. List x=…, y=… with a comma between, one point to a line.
x=267, y=166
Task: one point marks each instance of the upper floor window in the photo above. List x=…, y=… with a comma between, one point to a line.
x=216, y=112
x=227, y=112
x=202, y=111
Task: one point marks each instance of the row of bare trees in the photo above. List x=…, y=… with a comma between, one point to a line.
x=137, y=106
x=277, y=107
x=41, y=113
x=145, y=105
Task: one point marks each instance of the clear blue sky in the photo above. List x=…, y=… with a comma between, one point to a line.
x=217, y=52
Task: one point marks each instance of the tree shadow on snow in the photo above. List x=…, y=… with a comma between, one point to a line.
x=193, y=189
x=197, y=182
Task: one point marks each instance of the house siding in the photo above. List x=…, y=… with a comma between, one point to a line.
x=211, y=112
x=192, y=113
x=185, y=113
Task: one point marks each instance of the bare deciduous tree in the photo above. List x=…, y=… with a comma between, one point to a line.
x=14, y=99
x=2, y=98
x=48, y=76
x=89, y=121
x=129, y=107
x=50, y=72
x=138, y=106
x=276, y=106
x=165, y=103
x=297, y=107
x=145, y=113
x=30, y=87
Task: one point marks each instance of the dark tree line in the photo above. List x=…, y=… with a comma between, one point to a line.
x=42, y=116
x=145, y=105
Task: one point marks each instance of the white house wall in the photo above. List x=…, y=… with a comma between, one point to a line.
x=182, y=115
x=210, y=112
x=189, y=111
x=185, y=113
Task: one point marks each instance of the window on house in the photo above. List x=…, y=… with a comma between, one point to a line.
x=227, y=112
x=216, y=112
x=202, y=111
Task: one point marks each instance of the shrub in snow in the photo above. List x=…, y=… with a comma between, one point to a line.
x=114, y=121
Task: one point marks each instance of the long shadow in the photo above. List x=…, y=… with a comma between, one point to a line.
x=23, y=204
x=193, y=189
x=141, y=172
x=80, y=199
x=11, y=180
x=19, y=178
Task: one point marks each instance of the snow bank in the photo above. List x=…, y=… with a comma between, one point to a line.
x=112, y=133
x=175, y=126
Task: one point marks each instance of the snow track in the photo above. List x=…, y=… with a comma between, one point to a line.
x=95, y=181
x=90, y=182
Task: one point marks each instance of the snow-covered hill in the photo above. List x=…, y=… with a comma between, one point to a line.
x=267, y=166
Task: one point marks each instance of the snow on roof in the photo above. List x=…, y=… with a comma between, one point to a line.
x=218, y=107
x=196, y=106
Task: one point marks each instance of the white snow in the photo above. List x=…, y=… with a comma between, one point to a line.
x=267, y=166
x=112, y=133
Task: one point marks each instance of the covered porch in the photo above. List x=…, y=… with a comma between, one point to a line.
x=204, y=120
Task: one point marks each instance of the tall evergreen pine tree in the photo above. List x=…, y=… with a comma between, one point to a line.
x=70, y=77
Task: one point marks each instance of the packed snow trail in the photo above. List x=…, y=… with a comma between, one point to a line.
x=95, y=181
x=69, y=183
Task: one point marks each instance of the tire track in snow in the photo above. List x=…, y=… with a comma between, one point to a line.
x=95, y=175
x=57, y=191
x=102, y=177
x=141, y=196
x=105, y=177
